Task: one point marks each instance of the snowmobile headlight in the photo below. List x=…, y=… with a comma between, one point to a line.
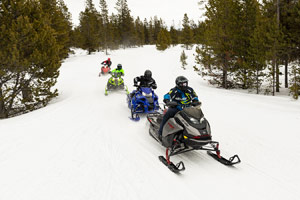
x=146, y=95
x=194, y=121
x=202, y=119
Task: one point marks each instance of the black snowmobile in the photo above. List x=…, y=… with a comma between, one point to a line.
x=188, y=130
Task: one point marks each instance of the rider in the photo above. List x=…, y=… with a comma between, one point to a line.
x=118, y=70
x=183, y=95
x=107, y=62
x=145, y=81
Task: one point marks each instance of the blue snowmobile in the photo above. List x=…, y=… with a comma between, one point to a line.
x=142, y=100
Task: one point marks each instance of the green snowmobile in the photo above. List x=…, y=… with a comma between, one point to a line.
x=115, y=82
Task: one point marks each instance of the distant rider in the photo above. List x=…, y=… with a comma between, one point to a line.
x=107, y=62
x=118, y=70
x=183, y=95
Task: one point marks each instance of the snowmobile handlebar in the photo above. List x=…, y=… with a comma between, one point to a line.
x=174, y=104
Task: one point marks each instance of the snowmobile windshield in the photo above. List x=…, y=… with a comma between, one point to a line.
x=146, y=91
x=115, y=74
x=193, y=112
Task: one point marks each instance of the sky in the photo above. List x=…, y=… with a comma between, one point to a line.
x=84, y=146
x=171, y=11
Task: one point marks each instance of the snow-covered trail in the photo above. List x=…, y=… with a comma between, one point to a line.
x=84, y=146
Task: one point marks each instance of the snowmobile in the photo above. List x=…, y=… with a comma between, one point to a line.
x=115, y=82
x=104, y=70
x=142, y=100
x=188, y=130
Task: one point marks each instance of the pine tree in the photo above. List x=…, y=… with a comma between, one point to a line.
x=157, y=26
x=126, y=24
x=199, y=33
x=247, y=23
x=220, y=38
x=174, y=36
x=258, y=53
x=140, y=34
x=295, y=80
x=289, y=23
x=163, y=40
x=90, y=27
x=187, y=37
x=60, y=21
x=275, y=42
x=146, y=32
x=151, y=32
x=183, y=58
x=115, y=35
x=29, y=41
x=106, y=27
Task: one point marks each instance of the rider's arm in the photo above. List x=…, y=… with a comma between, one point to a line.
x=153, y=85
x=136, y=80
x=168, y=96
x=194, y=96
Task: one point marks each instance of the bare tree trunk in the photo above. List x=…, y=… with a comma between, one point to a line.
x=3, y=113
x=273, y=75
x=286, y=81
x=225, y=76
x=277, y=75
x=276, y=61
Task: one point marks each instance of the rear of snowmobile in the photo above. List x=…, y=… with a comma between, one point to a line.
x=104, y=70
x=143, y=100
x=188, y=130
x=115, y=82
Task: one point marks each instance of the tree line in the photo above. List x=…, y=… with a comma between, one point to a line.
x=246, y=44
x=98, y=30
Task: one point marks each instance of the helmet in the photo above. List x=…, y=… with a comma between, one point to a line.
x=108, y=59
x=119, y=66
x=181, y=83
x=148, y=74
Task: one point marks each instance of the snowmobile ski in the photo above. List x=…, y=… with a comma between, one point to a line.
x=174, y=168
x=229, y=162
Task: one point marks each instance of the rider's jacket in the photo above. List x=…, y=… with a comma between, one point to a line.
x=144, y=82
x=121, y=71
x=183, y=98
x=107, y=63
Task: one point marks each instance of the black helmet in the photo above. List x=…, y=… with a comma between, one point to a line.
x=148, y=74
x=119, y=66
x=181, y=83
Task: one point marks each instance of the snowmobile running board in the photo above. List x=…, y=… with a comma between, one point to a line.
x=229, y=162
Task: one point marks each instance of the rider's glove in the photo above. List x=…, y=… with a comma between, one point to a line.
x=196, y=103
x=166, y=101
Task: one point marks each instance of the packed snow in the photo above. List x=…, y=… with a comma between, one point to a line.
x=84, y=146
